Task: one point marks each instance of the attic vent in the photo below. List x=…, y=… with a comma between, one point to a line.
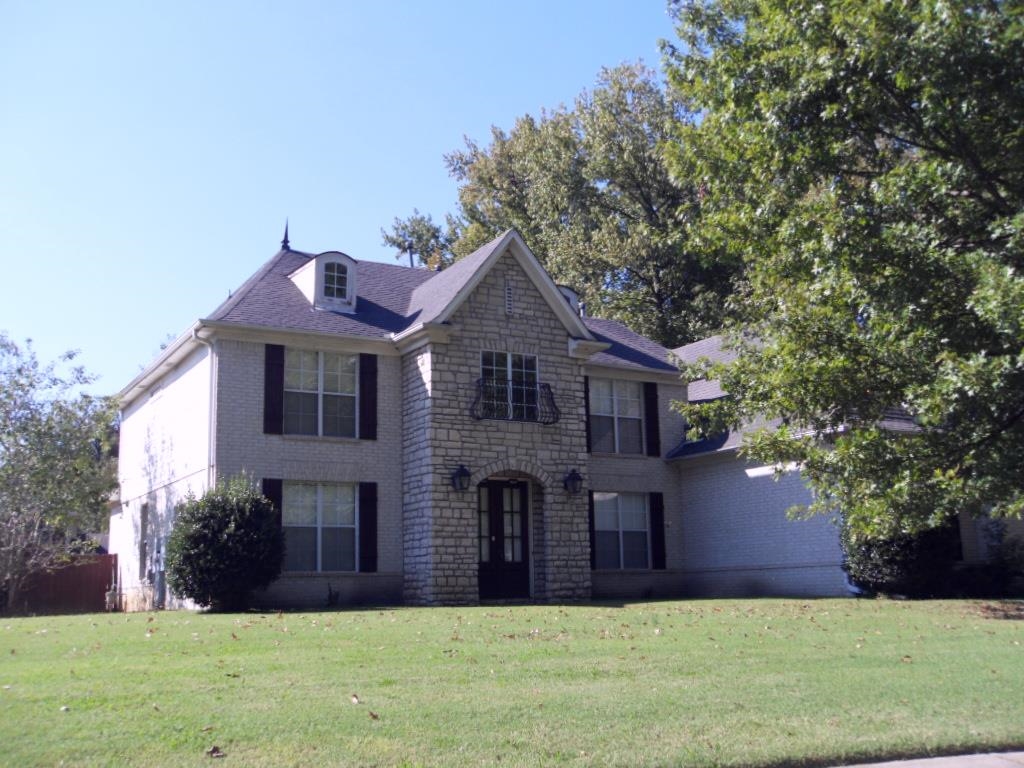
x=509, y=296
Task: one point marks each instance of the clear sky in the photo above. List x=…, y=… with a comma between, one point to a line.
x=150, y=152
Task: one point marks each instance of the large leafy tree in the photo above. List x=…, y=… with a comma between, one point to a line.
x=865, y=160
x=56, y=466
x=590, y=190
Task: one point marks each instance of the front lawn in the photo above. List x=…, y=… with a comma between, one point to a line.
x=744, y=683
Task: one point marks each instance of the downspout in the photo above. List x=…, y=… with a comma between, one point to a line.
x=211, y=427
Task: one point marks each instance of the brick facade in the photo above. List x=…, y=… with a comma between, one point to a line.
x=199, y=413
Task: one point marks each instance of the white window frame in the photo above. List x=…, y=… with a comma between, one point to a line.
x=510, y=400
x=320, y=356
x=327, y=279
x=320, y=526
x=616, y=416
x=646, y=498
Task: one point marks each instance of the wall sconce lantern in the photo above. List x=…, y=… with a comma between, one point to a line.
x=460, y=478
x=573, y=482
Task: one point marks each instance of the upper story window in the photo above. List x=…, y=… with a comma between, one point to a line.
x=335, y=281
x=320, y=392
x=320, y=526
x=621, y=526
x=616, y=416
x=509, y=386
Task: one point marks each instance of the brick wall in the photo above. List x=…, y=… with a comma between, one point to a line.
x=737, y=540
x=242, y=446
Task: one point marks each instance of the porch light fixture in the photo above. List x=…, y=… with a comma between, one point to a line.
x=573, y=482
x=460, y=478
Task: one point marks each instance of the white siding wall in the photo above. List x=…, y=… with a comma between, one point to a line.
x=737, y=540
x=164, y=454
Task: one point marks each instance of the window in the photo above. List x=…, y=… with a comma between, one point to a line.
x=319, y=521
x=616, y=416
x=621, y=531
x=509, y=386
x=335, y=281
x=320, y=393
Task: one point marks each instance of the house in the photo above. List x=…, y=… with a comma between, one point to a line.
x=449, y=438
x=361, y=395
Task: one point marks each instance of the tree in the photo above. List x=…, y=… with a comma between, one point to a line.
x=866, y=163
x=590, y=191
x=421, y=239
x=56, y=469
x=224, y=545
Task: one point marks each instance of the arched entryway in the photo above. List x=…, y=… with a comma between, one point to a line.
x=503, y=533
x=510, y=516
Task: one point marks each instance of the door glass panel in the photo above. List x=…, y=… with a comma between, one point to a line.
x=485, y=536
x=508, y=551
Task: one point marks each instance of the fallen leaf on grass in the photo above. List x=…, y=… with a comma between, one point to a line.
x=907, y=660
x=216, y=751
x=374, y=716
x=234, y=636
x=355, y=699
x=206, y=728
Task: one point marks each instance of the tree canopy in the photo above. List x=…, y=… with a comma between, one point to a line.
x=589, y=189
x=865, y=162
x=56, y=469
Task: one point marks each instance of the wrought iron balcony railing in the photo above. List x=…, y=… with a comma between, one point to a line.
x=510, y=401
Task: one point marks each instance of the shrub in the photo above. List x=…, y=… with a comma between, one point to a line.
x=224, y=545
x=918, y=565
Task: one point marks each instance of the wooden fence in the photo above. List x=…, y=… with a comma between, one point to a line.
x=80, y=587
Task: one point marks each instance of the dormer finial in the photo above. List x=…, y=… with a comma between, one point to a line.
x=284, y=243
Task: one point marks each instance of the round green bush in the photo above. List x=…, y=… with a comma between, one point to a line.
x=224, y=545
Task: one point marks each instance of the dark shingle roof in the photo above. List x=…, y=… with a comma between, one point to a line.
x=269, y=298
x=628, y=349
x=392, y=298
x=433, y=296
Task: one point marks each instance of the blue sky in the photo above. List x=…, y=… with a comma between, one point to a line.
x=150, y=152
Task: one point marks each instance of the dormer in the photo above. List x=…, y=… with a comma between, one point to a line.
x=328, y=281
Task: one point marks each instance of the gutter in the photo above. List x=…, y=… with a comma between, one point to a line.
x=211, y=413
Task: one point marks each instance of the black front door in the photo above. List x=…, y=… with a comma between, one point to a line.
x=503, y=539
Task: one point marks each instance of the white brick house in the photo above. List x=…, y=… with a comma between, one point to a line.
x=357, y=393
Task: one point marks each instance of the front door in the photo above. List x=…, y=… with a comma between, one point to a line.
x=503, y=540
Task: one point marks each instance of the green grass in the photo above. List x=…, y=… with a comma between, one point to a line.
x=751, y=683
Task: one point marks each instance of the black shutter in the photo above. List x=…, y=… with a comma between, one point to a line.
x=657, y=531
x=273, y=489
x=368, y=397
x=651, y=419
x=273, y=389
x=368, y=527
x=593, y=541
x=586, y=407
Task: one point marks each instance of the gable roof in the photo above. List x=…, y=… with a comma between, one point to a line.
x=394, y=302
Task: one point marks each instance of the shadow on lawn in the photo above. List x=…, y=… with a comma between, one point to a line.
x=1011, y=610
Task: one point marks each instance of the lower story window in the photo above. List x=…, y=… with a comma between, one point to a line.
x=319, y=522
x=621, y=531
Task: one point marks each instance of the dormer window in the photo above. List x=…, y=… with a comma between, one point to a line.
x=335, y=281
x=328, y=281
